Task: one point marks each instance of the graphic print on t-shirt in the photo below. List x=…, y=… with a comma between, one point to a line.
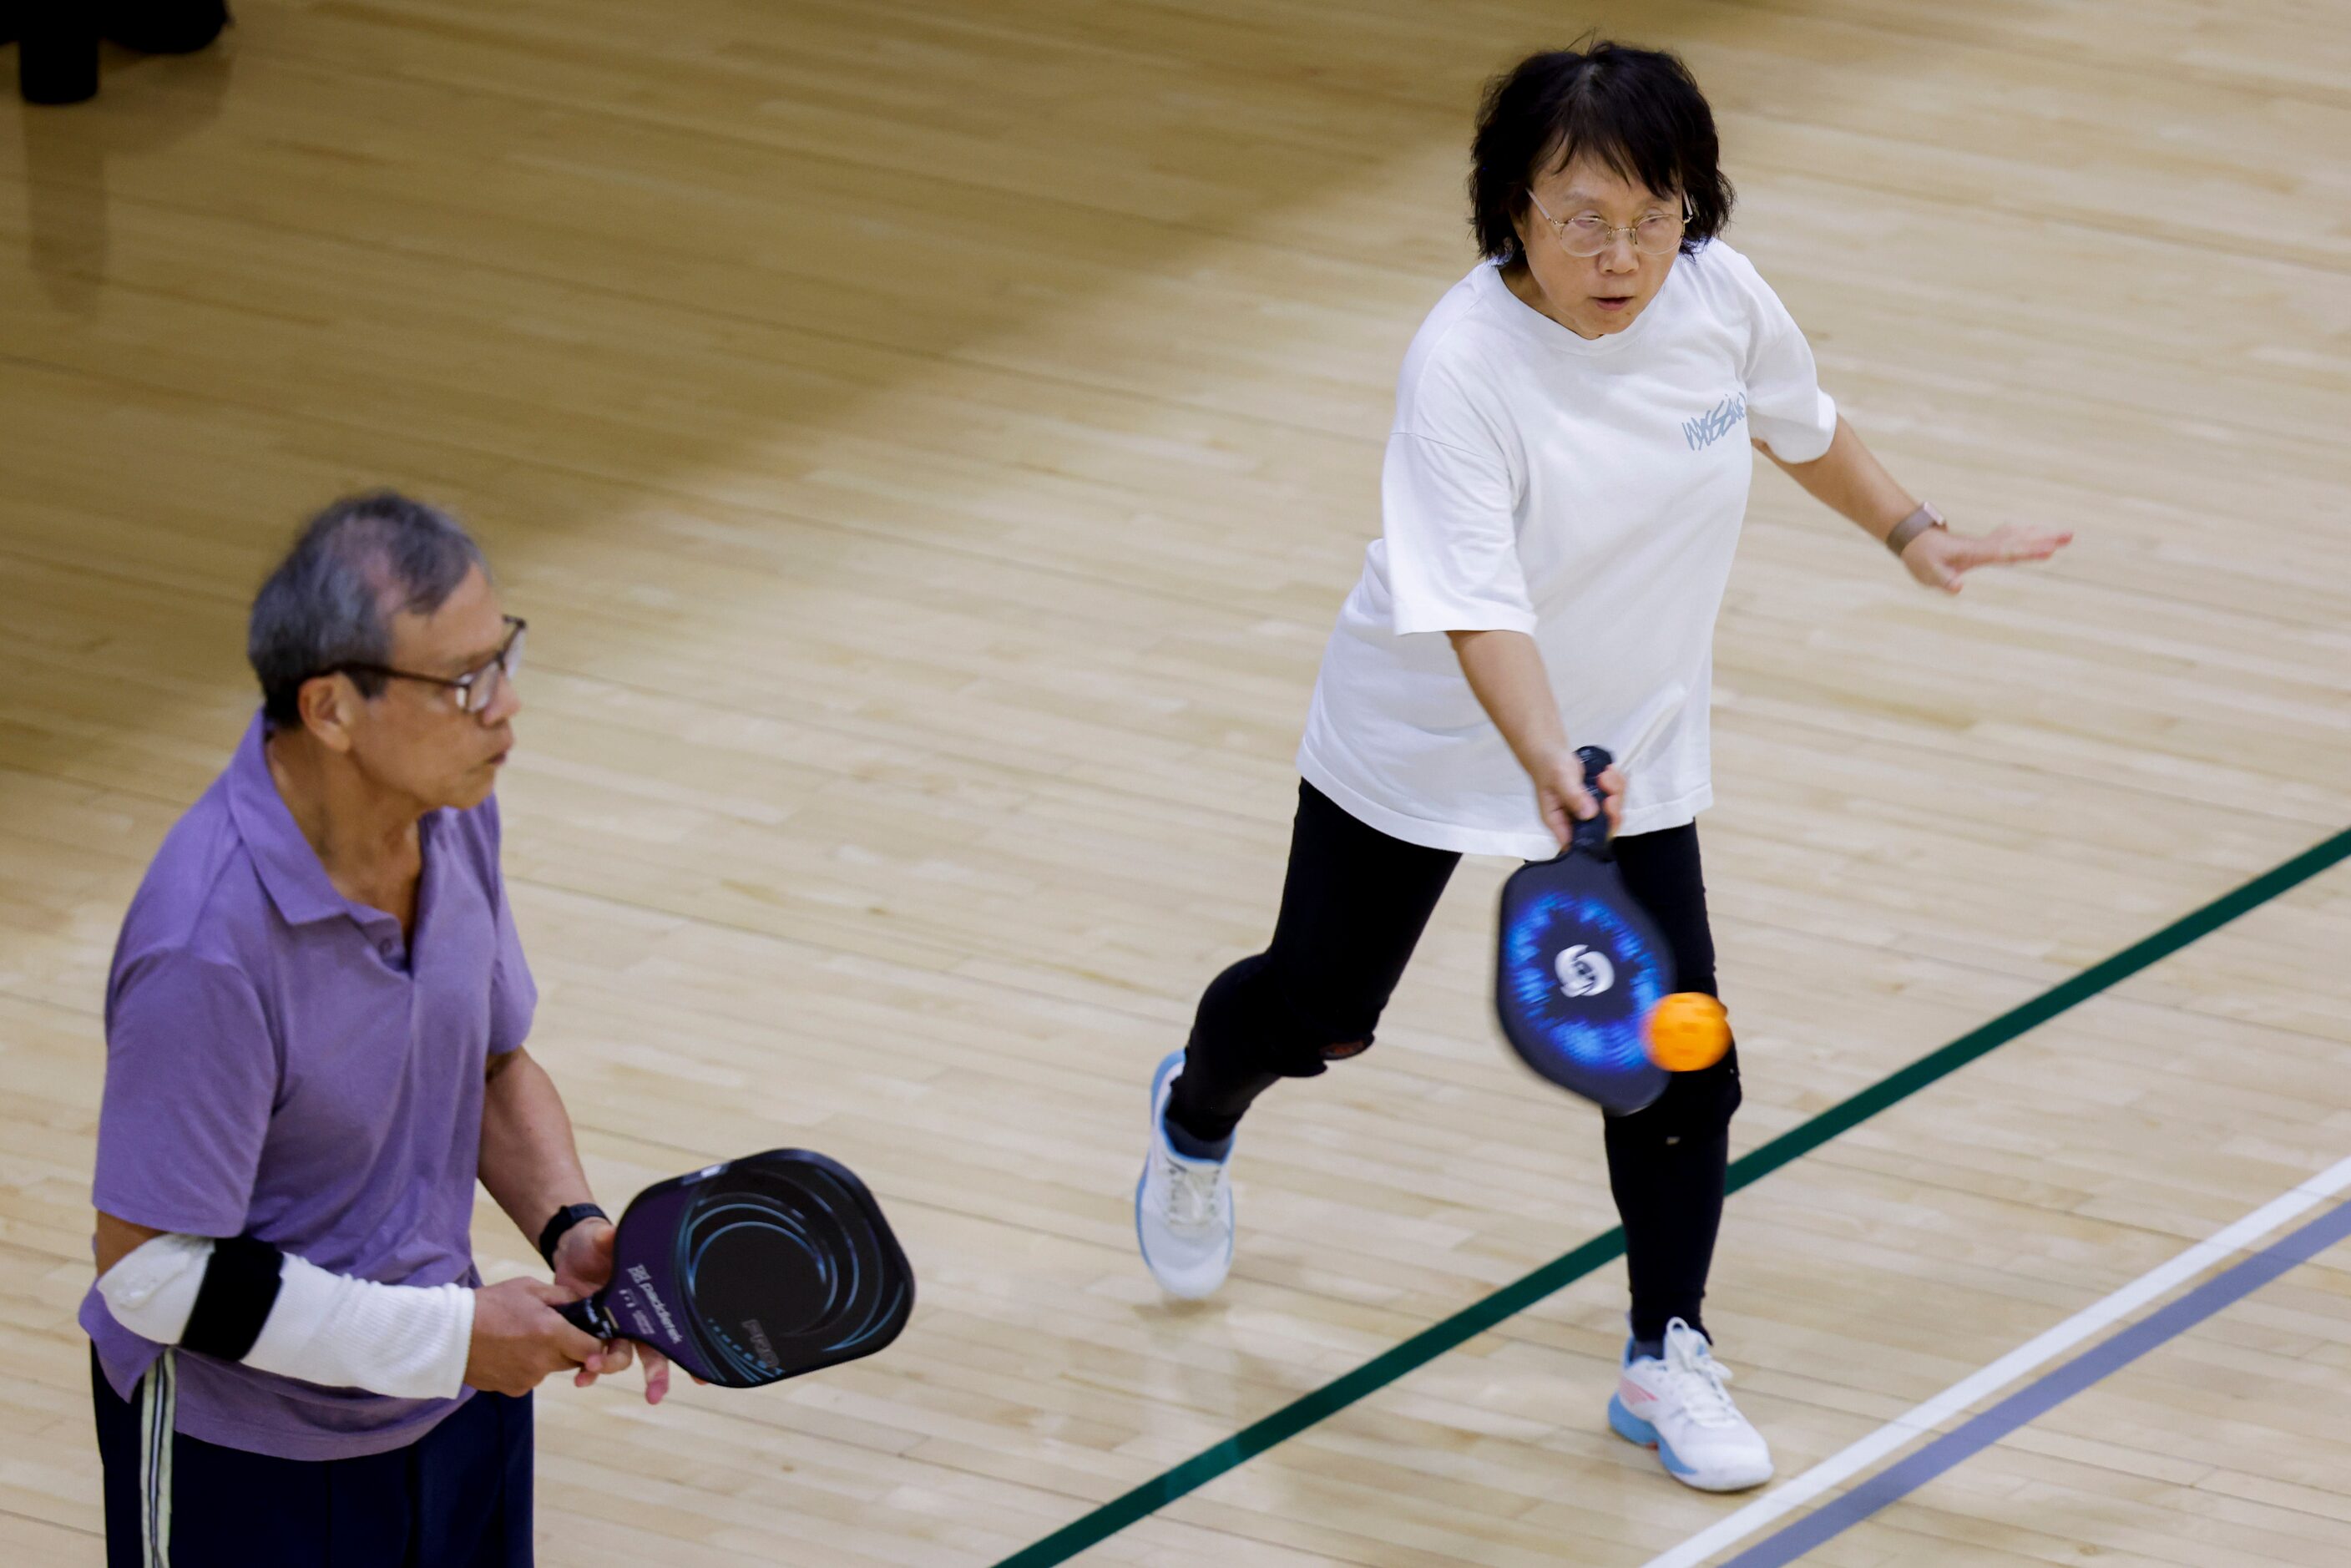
x=1715, y=423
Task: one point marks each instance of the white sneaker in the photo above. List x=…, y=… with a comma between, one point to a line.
x=1182, y=1207
x=1677, y=1407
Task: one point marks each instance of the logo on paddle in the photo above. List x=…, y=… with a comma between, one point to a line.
x=1584, y=973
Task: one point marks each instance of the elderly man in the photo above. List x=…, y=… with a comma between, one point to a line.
x=314, y=1035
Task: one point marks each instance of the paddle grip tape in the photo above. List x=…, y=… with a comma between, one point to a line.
x=1591, y=834
x=590, y=1317
x=240, y=1288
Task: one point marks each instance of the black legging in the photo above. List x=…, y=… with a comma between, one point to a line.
x=1353, y=907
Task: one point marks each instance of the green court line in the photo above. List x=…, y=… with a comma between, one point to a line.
x=1749, y=1168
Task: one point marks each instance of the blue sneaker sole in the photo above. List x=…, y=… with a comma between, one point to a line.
x=1632, y=1429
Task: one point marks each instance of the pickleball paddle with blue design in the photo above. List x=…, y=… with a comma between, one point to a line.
x=754, y=1270
x=1581, y=967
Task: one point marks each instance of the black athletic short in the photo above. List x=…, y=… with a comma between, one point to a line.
x=458, y=1497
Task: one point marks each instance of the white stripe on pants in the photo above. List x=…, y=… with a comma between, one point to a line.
x=158, y=1409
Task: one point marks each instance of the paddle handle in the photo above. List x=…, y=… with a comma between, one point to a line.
x=590, y=1318
x=1592, y=837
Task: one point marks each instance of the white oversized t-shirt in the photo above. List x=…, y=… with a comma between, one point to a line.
x=1587, y=491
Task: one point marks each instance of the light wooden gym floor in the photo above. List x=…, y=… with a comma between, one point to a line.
x=931, y=441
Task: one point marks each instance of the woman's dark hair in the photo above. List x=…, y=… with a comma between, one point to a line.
x=1639, y=111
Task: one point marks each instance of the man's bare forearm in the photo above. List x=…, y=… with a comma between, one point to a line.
x=529, y=1162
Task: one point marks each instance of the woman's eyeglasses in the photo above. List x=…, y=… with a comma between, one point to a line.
x=1587, y=235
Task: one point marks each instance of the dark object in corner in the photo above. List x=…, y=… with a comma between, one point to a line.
x=164, y=26
x=57, y=51
x=57, y=60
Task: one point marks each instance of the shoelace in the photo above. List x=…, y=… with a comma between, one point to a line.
x=1696, y=1379
x=1191, y=1192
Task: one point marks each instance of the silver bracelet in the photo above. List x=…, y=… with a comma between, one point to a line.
x=1911, y=527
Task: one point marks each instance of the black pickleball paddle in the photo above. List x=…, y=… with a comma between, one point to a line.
x=1579, y=968
x=754, y=1270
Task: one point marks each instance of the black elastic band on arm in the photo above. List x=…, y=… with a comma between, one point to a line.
x=240, y=1288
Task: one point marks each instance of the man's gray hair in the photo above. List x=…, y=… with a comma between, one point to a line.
x=330, y=602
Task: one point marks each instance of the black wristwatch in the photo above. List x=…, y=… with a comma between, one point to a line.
x=565, y=1218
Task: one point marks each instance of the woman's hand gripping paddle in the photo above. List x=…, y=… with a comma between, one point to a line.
x=757, y=1270
x=1580, y=968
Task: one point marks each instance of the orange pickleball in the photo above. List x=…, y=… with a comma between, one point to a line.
x=1687, y=1030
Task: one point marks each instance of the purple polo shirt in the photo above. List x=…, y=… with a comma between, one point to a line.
x=280, y=1064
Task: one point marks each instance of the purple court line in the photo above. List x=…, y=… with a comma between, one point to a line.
x=2038, y=1399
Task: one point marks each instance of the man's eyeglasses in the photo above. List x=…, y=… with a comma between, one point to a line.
x=1586, y=235
x=476, y=689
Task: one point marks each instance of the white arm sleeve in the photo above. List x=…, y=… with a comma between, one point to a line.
x=410, y=1342
x=152, y=1288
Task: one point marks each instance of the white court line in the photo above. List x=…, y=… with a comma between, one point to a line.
x=1922, y=1420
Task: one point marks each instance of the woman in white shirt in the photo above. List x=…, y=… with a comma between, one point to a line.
x=1563, y=487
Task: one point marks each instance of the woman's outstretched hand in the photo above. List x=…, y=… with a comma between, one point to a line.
x=1939, y=558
